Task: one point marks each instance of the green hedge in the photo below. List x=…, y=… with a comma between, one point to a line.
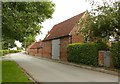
x=85, y=53
x=14, y=51
x=102, y=46
x=115, y=49
x=4, y=52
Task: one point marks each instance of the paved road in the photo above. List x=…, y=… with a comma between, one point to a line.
x=48, y=71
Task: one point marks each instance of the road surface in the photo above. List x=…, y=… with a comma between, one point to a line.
x=48, y=71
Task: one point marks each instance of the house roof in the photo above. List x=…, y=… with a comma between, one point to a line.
x=64, y=28
x=35, y=45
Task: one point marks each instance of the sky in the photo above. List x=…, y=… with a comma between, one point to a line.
x=63, y=11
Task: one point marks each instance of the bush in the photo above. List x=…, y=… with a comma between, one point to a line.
x=4, y=52
x=115, y=50
x=14, y=51
x=85, y=53
x=102, y=46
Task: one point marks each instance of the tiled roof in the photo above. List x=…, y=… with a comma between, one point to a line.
x=35, y=45
x=64, y=28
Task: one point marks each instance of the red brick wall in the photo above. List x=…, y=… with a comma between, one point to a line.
x=77, y=38
x=63, y=47
x=32, y=52
x=47, y=49
x=101, y=58
x=40, y=52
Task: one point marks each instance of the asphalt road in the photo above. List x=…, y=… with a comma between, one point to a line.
x=48, y=71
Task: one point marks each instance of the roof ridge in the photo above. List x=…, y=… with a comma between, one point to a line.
x=70, y=18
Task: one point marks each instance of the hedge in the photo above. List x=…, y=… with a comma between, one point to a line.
x=14, y=51
x=115, y=50
x=4, y=52
x=102, y=46
x=85, y=53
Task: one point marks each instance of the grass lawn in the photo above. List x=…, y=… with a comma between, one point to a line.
x=12, y=73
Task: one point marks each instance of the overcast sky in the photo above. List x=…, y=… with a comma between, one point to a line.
x=63, y=10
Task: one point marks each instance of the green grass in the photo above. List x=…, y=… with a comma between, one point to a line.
x=12, y=73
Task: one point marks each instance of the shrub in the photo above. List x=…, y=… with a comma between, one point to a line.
x=85, y=53
x=4, y=52
x=115, y=50
x=14, y=51
x=101, y=46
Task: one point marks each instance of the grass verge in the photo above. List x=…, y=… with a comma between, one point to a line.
x=12, y=73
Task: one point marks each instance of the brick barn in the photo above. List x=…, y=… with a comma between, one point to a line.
x=33, y=48
x=54, y=45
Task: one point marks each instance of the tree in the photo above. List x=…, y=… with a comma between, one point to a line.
x=30, y=39
x=103, y=21
x=8, y=43
x=21, y=19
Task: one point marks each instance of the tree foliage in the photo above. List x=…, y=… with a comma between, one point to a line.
x=21, y=19
x=103, y=21
x=8, y=43
x=30, y=39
